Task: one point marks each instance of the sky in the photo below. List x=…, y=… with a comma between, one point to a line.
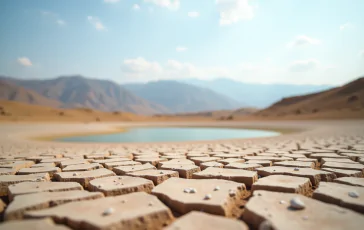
x=260, y=41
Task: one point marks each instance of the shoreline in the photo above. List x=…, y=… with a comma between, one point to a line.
x=43, y=134
x=53, y=137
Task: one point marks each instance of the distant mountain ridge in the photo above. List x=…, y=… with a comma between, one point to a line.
x=78, y=91
x=255, y=94
x=180, y=97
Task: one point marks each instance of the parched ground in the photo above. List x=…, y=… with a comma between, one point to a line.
x=311, y=177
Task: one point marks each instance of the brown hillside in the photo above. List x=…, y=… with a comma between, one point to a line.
x=9, y=91
x=17, y=111
x=349, y=97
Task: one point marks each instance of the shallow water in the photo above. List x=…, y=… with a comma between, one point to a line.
x=171, y=135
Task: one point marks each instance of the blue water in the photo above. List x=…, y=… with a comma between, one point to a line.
x=171, y=135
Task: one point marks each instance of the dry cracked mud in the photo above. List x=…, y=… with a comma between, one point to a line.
x=312, y=179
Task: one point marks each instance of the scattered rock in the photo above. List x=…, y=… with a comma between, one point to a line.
x=297, y=203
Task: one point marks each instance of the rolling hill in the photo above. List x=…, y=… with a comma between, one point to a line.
x=179, y=97
x=78, y=91
x=344, y=99
x=11, y=92
x=14, y=111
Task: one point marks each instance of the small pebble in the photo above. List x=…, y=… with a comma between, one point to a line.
x=75, y=174
x=282, y=202
x=297, y=203
x=296, y=169
x=108, y=211
x=161, y=173
x=217, y=188
x=265, y=225
x=232, y=192
x=305, y=218
x=207, y=197
x=99, y=186
x=150, y=203
x=186, y=190
x=193, y=190
x=354, y=194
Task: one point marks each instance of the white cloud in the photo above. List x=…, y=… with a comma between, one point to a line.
x=53, y=16
x=251, y=66
x=169, y=4
x=193, y=14
x=96, y=23
x=346, y=26
x=361, y=54
x=181, y=48
x=48, y=13
x=140, y=69
x=136, y=7
x=233, y=11
x=303, y=40
x=61, y=22
x=303, y=65
x=111, y=1
x=329, y=68
x=25, y=61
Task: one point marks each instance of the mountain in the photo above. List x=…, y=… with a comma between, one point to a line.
x=182, y=98
x=78, y=91
x=349, y=97
x=253, y=94
x=11, y=92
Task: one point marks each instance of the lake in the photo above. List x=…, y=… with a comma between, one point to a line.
x=152, y=134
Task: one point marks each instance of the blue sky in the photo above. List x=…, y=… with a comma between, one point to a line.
x=265, y=41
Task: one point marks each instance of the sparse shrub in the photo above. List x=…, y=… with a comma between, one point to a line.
x=353, y=98
x=229, y=118
x=356, y=109
x=61, y=113
x=98, y=119
x=298, y=111
x=315, y=110
x=116, y=113
x=4, y=113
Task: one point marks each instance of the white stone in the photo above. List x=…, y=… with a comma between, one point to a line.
x=207, y=197
x=187, y=190
x=193, y=190
x=297, y=203
x=108, y=211
x=354, y=194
